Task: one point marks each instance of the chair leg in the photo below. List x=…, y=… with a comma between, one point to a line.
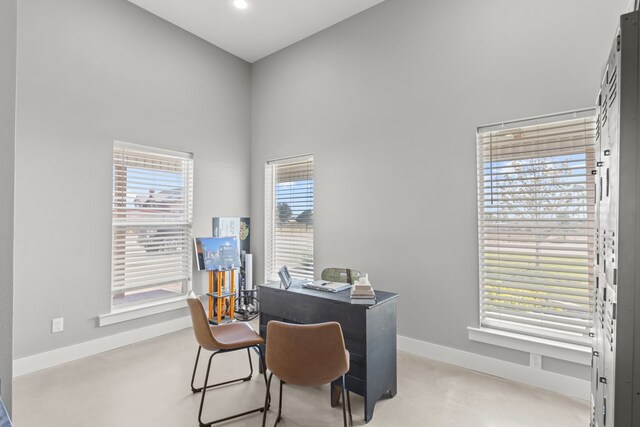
x=279, y=405
x=349, y=408
x=266, y=399
x=195, y=367
x=204, y=388
x=204, y=391
x=344, y=402
x=264, y=374
x=250, y=363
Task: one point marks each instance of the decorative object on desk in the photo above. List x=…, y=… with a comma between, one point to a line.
x=285, y=277
x=324, y=286
x=362, y=292
x=342, y=275
x=319, y=285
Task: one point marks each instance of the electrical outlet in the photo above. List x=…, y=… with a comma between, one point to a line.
x=535, y=361
x=57, y=325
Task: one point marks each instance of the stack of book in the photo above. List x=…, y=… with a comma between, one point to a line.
x=362, y=294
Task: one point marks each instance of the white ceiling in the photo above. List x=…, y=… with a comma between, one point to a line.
x=266, y=26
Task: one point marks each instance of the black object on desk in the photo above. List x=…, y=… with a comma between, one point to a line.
x=369, y=334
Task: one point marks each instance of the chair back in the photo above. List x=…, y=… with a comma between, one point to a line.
x=306, y=355
x=201, y=327
x=341, y=275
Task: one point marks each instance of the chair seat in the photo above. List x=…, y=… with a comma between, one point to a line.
x=235, y=335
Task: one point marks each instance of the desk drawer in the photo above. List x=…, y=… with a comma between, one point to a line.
x=353, y=322
x=356, y=347
x=297, y=308
x=357, y=369
x=356, y=385
x=290, y=306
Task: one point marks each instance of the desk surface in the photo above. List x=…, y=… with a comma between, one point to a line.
x=342, y=296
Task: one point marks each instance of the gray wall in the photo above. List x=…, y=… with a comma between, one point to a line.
x=89, y=72
x=8, y=26
x=388, y=102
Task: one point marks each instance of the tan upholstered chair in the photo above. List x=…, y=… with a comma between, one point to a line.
x=341, y=275
x=221, y=339
x=306, y=355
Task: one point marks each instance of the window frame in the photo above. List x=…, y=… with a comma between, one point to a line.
x=578, y=351
x=302, y=166
x=180, y=219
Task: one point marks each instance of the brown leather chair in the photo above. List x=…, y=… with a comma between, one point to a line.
x=221, y=339
x=306, y=355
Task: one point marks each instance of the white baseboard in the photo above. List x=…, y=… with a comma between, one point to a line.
x=563, y=384
x=559, y=383
x=62, y=355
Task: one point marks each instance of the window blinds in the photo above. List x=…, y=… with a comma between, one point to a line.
x=289, y=208
x=151, y=223
x=536, y=228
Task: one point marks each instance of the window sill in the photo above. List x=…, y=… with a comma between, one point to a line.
x=570, y=352
x=123, y=315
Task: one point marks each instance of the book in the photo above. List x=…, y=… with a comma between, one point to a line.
x=363, y=301
x=358, y=290
x=362, y=293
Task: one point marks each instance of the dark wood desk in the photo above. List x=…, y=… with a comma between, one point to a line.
x=369, y=333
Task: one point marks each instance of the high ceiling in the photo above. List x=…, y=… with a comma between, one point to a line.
x=264, y=27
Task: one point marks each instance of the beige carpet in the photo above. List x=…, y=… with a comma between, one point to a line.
x=147, y=384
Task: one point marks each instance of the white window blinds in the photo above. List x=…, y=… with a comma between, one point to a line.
x=289, y=208
x=536, y=228
x=151, y=224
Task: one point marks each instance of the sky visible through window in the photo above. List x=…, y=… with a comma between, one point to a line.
x=294, y=194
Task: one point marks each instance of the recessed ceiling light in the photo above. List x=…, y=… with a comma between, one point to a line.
x=240, y=4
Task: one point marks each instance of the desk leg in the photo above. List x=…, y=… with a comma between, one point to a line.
x=369, y=404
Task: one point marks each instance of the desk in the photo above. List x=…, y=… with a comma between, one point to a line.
x=369, y=334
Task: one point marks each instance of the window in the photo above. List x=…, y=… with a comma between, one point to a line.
x=289, y=208
x=151, y=224
x=536, y=227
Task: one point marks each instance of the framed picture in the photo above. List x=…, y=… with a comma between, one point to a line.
x=217, y=253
